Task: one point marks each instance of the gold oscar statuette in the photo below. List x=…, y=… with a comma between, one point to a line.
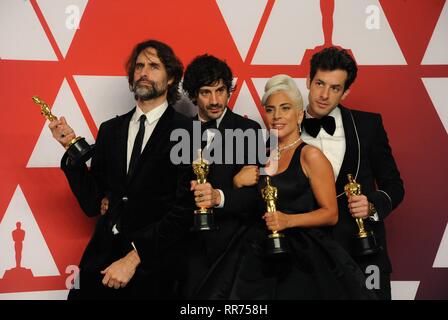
x=78, y=149
x=276, y=241
x=203, y=217
x=365, y=243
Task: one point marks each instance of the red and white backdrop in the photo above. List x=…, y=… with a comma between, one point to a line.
x=72, y=53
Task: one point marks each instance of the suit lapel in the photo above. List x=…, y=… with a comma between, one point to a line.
x=351, y=156
x=228, y=121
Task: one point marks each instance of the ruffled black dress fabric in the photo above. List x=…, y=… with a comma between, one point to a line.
x=316, y=268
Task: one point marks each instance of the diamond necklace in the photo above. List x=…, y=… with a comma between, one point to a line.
x=280, y=150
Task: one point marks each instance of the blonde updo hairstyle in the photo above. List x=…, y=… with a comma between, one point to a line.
x=285, y=83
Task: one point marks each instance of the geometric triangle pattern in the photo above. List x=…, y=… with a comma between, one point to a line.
x=441, y=260
x=35, y=252
x=246, y=107
x=370, y=45
x=48, y=152
x=404, y=290
x=36, y=295
x=105, y=96
x=242, y=26
x=292, y=28
x=436, y=88
x=281, y=35
x=63, y=18
x=28, y=41
x=437, y=51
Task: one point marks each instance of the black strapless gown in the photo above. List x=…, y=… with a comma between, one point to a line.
x=316, y=268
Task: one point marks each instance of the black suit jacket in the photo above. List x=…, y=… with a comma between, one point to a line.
x=149, y=204
x=368, y=156
x=208, y=247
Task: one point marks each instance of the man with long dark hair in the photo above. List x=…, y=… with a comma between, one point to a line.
x=134, y=185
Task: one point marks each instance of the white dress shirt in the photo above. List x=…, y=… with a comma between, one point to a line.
x=211, y=133
x=332, y=146
x=152, y=118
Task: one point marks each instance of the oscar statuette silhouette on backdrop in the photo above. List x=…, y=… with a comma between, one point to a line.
x=327, y=10
x=17, y=276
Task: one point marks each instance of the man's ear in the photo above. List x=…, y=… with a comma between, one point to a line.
x=345, y=94
x=170, y=81
x=308, y=83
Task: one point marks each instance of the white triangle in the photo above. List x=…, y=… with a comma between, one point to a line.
x=105, y=96
x=246, y=107
x=21, y=34
x=259, y=84
x=47, y=151
x=404, y=290
x=35, y=253
x=36, y=295
x=242, y=19
x=63, y=17
x=436, y=88
x=441, y=260
x=374, y=46
x=437, y=51
x=292, y=28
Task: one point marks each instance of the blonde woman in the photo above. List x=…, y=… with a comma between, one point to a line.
x=316, y=267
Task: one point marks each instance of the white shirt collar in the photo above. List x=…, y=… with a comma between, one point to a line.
x=151, y=116
x=336, y=113
x=218, y=121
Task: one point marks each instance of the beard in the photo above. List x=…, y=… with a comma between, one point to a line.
x=148, y=92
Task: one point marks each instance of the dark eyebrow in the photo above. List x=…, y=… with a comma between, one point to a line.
x=336, y=86
x=332, y=85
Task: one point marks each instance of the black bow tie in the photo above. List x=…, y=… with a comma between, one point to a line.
x=209, y=125
x=312, y=125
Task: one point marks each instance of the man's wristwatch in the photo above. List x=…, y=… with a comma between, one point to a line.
x=372, y=209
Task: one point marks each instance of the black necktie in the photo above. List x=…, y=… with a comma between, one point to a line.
x=138, y=142
x=312, y=125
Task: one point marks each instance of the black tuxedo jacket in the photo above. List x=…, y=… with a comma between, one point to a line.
x=149, y=205
x=207, y=247
x=368, y=156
